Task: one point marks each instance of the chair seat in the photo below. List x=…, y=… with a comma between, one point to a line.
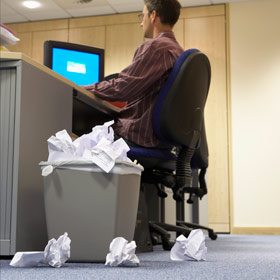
x=153, y=157
x=164, y=158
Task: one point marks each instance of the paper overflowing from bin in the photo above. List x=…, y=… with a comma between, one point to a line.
x=122, y=253
x=7, y=36
x=98, y=146
x=191, y=248
x=56, y=253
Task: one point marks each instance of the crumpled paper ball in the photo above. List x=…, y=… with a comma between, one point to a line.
x=191, y=248
x=57, y=252
x=122, y=253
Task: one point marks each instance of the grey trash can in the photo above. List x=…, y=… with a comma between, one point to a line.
x=94, y=207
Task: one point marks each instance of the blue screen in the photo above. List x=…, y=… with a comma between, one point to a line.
x=79, y=67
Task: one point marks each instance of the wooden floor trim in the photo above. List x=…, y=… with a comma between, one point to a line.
x=256, y=230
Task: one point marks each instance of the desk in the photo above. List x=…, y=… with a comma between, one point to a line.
x=35, y=103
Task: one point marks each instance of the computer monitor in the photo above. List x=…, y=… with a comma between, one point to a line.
x=81, y=64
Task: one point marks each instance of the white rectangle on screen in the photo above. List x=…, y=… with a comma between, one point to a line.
x=76, y=67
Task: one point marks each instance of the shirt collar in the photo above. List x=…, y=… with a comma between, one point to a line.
x=169, y=34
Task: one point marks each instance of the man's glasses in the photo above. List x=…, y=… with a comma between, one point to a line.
x=141, y=16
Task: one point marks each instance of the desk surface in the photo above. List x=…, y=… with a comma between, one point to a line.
x=101, y=104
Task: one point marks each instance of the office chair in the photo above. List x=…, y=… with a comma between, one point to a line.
x=178, y=121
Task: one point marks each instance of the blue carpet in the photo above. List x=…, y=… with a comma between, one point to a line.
x=229, y=257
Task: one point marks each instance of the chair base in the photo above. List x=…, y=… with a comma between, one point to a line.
x=212, y=235
x=149, y=233
x=162, y=229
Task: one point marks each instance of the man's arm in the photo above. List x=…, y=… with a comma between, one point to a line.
x=141, y=74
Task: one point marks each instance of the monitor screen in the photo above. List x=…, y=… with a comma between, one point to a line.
x=81, y=64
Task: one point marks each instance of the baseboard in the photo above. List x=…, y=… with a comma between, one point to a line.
x=256, y=230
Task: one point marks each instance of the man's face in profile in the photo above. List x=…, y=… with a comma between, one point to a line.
x=146, y=23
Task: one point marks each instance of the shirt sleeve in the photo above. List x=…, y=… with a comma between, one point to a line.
x=148, y=66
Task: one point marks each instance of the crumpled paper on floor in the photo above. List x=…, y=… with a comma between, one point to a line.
x=122, y=253
x=56, y=253
x=191, y=248
x=98, y=146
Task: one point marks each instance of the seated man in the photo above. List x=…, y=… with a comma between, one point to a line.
x=140, y=82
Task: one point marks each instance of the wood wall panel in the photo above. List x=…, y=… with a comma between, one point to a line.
x=121, y=43
x=104, y=20
x=40, y=37
x=91, y=36
x=205, y=11
x=179, y=32
x=40, y=25
x=211, y=41
x=24, y=45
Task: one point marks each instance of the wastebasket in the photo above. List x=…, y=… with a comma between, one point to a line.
x=94, y=207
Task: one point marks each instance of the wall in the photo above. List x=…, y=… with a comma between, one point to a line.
x=255, y=102
x=199, y=27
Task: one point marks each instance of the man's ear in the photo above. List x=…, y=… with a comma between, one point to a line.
x=153, y=16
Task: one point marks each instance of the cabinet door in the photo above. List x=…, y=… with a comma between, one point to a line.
x=7, y=127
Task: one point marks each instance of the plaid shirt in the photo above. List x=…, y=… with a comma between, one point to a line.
x=139, y=85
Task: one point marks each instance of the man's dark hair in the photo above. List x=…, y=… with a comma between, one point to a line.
x=167, y=10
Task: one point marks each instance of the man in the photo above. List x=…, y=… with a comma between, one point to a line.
x=140, y=83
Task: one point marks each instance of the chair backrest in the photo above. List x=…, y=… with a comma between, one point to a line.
x=179, y=110
x=201, y=154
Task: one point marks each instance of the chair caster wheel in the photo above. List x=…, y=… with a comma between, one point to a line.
x=155, y=240
x=166, y=244
x=213, y=236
